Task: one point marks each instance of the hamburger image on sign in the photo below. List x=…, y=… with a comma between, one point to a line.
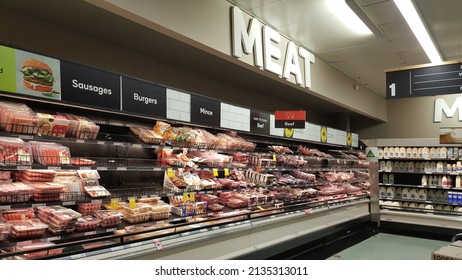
x=38, y=76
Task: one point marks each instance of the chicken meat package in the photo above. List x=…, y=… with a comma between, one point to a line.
x=88, y=174
x=14, y=151
x=96, y=191
x=52, y=125
x=89, y=208
x=15, y=192
x=18, y=118
x=27, y=228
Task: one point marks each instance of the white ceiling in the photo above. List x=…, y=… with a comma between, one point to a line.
x=314, y=25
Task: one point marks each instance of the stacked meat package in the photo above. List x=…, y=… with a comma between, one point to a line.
x=15, y=151
x=81, y=127
x=49, y=153
x=18, y=118
x=58, y=218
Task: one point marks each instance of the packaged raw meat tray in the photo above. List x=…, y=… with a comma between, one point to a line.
x=52, y=155
x=138, y=217
x=87, y=223
x=27, y=228
x=4, y=230
x=96, y=191
x=18, y=118
x=139, y=208
x=15, y=192
x=35, y=255
x=108, y=218
x=89, y=208
x=52, y=125
x=18, y=214
x=14, y=151
x=81, y=127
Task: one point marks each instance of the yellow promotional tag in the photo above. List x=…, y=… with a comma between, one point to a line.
x=261, y=208
x=226, y=172
x=132, y=202
x=215, y=172
x=169, y=172
x=185, y=197
x=274, y=157
x=192, y=197
x=114, y=203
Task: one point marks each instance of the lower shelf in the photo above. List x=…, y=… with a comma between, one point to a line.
x=252, y=237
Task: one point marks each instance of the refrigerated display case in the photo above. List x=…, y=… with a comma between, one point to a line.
x=141, y=196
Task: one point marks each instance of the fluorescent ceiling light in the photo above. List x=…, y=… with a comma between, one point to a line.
x=410, y=14
x=348, y=17
x=362, y=16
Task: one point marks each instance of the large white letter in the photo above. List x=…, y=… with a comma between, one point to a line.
x=248, y=41
x=308, y=58
x=291, y=64
x=441, y=106
x=269, y=36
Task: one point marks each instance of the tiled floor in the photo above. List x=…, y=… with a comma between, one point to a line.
x=391, y=247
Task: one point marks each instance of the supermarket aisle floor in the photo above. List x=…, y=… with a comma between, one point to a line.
x=391, y=247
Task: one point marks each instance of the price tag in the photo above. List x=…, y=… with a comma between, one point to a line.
x=157, y=169
x=132, y=202
x=137, y=146
x=274, y=157
x=169, y=172
x=185, y=197
x=80, y=141
x=185, y=233
x=158, y=244
x=215, y=172
x=24, y=243
x=38, y=204
x=90, y=233
x=192, y=197
x=114, y=203
x=118, y=144
x=85, y=168
x=54, y=238
x=66, y=203
x=96, y=201
x=54, y=167
x=226, y=172
x=111, y=229
x=78, y=256
x=5, y=207
x=26, y=137
x=23, y=167
x=121, y=168
x=101, y=142
x=101, y=168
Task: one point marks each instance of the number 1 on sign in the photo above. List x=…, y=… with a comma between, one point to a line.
x=392, y=89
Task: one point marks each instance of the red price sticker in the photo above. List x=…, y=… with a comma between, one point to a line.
x=158, y=244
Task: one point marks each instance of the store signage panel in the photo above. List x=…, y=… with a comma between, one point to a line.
x=290, y=119
x=89, y=86
x=259, y=122
x=428, y=81
x=29, y=73
x=205, y=111
x=143, y=98
x=266, y=45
